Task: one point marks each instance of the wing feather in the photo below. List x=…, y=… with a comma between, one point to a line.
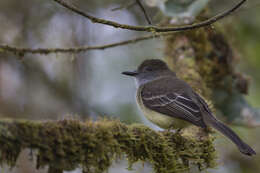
x=175, y=105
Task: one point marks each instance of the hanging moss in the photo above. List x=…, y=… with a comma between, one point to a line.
x=209, y=55
x=68, y=144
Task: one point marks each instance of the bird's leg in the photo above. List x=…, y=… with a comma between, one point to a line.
x=168, y=130
x=208, y=130
x=178, y=131
x=204, y=132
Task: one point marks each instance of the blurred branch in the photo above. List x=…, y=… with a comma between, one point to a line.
x=129, y=5
x=150, y=28
x=54, y=170
x=239, y=112
x=143, y=10
x=23, y=51
x=253, y=123
x=93, y=146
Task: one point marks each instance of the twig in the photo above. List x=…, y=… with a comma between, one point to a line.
x=22, y=51
x=246, y=124
x=143, y=9
x=129, y=5
x=151, y=28
x=54, y=170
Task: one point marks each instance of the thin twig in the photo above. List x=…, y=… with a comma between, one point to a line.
x=246, y=124
x=127, y=6
x=151, y=28
x=143, y=9
x=23, y=51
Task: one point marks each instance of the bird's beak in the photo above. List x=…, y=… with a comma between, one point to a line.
x=130, y=73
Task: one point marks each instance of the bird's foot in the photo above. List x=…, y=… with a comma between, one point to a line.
x=208, y=130
x=170, y=129
x=178, y=131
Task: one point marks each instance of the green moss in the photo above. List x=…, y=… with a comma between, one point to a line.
x=68, y=144
x=182, y=51
x=205, y=59
x=209, y=52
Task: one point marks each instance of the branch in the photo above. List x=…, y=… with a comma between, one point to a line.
x=143, y=10
x=150, y=28
x=23, y=51
x=93, y=146
x=129, y=5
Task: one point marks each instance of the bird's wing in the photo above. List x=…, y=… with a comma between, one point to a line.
x=203, y=103
x=174, y=104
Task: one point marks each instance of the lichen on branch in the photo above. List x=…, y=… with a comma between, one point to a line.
x=68, y=144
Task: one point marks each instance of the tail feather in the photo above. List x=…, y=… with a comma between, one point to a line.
x=209, y=119
x=242, y=146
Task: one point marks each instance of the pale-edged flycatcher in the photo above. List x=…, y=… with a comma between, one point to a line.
x=169, y=102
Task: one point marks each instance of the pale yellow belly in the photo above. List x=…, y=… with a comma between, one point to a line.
x=161, y=120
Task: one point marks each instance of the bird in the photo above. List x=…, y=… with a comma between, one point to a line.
x=170, y=103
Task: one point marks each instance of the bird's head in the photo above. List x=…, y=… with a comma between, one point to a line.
x=150, y=70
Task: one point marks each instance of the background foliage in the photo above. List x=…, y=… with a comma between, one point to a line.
x=89, y=85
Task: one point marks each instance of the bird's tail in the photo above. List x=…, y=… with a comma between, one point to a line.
x=242, y=146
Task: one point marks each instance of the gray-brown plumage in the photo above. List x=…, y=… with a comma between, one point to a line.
x=170, y=102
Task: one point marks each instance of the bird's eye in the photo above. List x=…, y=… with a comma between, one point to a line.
x=148, y=69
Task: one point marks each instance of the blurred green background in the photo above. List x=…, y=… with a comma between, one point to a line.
x=90, y=84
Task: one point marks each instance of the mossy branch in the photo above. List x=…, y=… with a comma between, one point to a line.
x=68, y=144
